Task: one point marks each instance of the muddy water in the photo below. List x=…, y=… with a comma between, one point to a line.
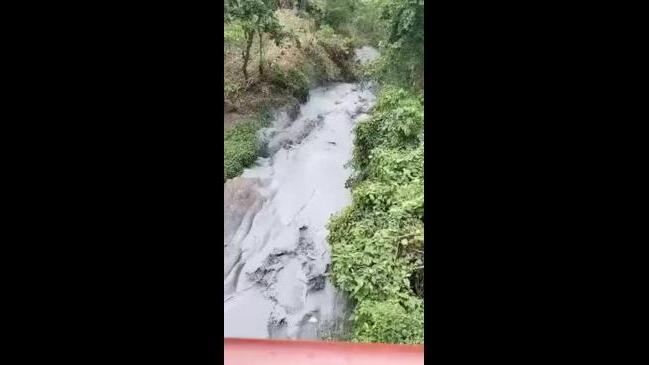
x=276, y=269
x=366, y=54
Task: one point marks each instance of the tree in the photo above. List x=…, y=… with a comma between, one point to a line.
x=404, y=46
x=256, y=16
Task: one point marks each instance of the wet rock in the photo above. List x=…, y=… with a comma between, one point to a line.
x=230, y=284
x=277, y=328
x=316, y=283
x=294, y=110
x=266, y=274
x=308, y=326
x=241, y=201
x=305, y=243
x=290, y=287
x=239, y=197
x=292, y=136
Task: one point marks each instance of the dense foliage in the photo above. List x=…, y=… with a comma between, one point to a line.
x=403, y=52
x=335, y=13
x=377, y=242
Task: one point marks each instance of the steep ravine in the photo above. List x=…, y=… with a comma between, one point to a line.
x=277, y=259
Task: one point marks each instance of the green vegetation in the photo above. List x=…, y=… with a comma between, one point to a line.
x=301, y=56
x=402, y=52
x=377, y=242
x=255, y=17
x=240, y=145
x=301, y=53
x=390, y=322
x=340, y=50
x=365, y=24
x=294, y=81
x=336, y=13
x=396, y=27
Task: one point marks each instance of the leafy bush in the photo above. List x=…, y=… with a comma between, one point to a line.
x=335, y=13
x=339, y=49
x=241, y=146
x=390, y=322
x=293, y=80
x=377, y=242
x=397, y=122
x=233, y=32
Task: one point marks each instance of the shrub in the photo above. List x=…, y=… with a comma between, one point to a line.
x=397, y=122
x=241, y=145
x=339, y=49
x=390, y=322
x=233, y=33
x=377, y=242
x=293, y=80
x=335, y=13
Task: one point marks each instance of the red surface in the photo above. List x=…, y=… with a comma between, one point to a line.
x=287, y=352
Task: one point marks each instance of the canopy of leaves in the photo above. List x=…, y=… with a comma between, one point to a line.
x=256, y=15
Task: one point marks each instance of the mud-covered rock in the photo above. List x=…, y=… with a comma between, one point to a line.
x=241, y=201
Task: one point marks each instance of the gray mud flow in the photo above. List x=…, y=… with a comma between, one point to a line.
x=277, y=260
x=366, y=54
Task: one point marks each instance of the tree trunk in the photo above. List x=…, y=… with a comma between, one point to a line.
x=246, y=55
x=261, y=48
